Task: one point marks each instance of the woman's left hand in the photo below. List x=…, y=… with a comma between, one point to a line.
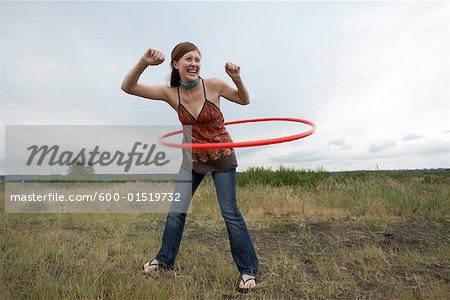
x=234, y=71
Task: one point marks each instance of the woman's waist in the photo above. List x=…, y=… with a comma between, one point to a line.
x=208, y=137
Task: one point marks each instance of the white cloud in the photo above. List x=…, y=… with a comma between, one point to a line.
x=411, y=137
x=379, y=146
x=340, y=143
x=371, y=75
x=435, y=146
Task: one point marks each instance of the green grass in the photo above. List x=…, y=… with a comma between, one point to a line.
x=283, y=176
x=318, y=235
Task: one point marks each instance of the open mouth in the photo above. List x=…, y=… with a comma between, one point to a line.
x=192, y=71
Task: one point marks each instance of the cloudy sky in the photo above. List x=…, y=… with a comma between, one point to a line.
x=373, y=76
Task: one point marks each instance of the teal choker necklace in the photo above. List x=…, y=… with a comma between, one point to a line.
x=191, y=84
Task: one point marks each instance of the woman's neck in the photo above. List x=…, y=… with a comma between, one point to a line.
x=190, y=85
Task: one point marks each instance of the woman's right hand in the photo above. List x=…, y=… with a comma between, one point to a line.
x=153, y=57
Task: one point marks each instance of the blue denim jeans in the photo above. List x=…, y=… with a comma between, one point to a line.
x=242, y=248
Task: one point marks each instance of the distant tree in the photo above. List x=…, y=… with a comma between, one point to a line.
x=80, y=171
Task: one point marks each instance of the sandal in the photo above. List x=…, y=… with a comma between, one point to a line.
x=244, y=289
x=153, y=265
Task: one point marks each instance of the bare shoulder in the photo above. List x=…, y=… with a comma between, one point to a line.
x=215, y=85
x=168, y=94
x=171, y=96
x=156, y=92
x=214, y=88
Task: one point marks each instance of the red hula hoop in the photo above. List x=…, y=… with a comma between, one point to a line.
x=204, y=146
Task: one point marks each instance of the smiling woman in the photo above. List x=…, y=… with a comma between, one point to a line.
x=197, y=103
x=185, y=58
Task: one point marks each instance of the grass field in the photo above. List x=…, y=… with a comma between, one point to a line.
x=318, y=235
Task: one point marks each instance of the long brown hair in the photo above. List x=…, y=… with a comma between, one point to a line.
x=177, y=53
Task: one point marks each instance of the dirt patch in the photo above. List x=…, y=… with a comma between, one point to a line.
x=308, y=242
x=407, y=235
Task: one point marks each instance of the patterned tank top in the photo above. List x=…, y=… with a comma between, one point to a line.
x=208, y=127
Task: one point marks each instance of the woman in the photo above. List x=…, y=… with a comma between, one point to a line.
x=197, y=102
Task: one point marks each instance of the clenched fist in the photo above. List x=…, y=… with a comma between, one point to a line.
x=234, y=71
x=153, y=57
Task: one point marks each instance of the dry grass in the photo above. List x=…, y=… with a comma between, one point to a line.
x=366, y=237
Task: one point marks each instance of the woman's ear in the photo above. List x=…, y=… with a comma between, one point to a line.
x=174, y=65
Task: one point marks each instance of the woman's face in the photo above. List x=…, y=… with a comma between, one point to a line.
x=189, y=66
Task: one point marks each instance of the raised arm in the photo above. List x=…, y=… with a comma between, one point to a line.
x=239, y=94
x=131, y=85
